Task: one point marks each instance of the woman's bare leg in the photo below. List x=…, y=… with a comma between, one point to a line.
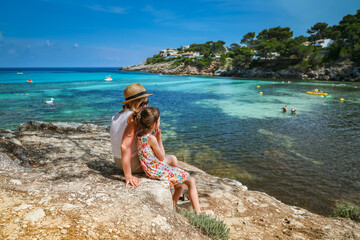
x=193, y=194
x=171, y=160
x=179, y=189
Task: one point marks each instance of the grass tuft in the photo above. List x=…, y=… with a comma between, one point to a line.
x=347, y=210
x=214, y=228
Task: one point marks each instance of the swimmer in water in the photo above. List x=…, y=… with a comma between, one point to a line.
x=284, y=108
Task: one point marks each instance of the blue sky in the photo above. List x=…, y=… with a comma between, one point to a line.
x=109, y=33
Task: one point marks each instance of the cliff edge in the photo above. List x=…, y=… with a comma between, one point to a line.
x=340, y=71
x=59, y=181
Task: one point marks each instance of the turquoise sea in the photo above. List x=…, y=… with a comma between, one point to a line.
x=221, y=125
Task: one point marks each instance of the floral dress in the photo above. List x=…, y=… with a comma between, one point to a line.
x=154, y=168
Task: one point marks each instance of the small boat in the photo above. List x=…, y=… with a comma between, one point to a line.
x=317, y=93
x=49, y=102
x=29, y=80
x=108, y=78
x=19, y=73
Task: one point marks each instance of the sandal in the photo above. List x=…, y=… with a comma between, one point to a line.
x=183, y=199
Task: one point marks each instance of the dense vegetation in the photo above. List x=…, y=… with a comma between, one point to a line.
x=346, y=210
x=214, y=228
x=277, y=48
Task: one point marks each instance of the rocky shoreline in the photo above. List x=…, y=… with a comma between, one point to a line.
x=59, y=181
x=342, y=71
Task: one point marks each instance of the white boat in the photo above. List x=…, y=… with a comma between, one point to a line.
x=108, y=78
x=19, y=73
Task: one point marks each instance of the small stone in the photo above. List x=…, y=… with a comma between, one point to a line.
x=16, y=182
x=68, y=207
x=21, y=207
x=35, y=215
x=64, y=231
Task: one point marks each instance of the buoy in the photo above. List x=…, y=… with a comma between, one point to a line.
x=322, y=96
x=220, y=83
x=209, y=88
x=342, y=99
x=258, y=86
x=289, y=81
x=29, y=81
x=260, y=92
x=329, y=96
x=188, y=81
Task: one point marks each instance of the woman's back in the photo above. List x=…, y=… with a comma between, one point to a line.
x=117, y=128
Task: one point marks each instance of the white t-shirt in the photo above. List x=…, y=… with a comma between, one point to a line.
x=117, y=128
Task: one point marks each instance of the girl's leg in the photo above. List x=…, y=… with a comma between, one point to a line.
x=171, y=160
x=179, y=189
x=193, y=194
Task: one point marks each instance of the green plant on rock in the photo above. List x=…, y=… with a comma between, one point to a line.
x=214, y=228
x=347, y=210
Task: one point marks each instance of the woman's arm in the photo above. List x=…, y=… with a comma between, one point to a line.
x=128, y=138
x=157, y=147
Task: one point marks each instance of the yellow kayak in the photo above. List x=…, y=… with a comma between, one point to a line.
x=315, y=93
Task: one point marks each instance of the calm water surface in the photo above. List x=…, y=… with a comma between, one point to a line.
x=221, y=125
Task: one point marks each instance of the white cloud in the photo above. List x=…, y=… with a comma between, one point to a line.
x=109, y=9
x=76, y=45
x=48, y=43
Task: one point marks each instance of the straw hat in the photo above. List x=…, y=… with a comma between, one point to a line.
x=134, y=91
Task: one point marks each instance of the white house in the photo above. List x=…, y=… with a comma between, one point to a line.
x=190, y=54
x=168, y=52
x=324, y=43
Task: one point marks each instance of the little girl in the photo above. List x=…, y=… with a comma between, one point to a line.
x=152, y=155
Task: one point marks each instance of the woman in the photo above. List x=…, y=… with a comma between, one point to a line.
x=122, y=134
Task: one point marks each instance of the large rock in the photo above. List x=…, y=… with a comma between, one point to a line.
x=75, y=191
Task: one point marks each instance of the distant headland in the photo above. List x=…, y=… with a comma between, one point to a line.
x=328, y=53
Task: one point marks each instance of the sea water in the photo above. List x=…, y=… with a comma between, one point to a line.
x=221, y=125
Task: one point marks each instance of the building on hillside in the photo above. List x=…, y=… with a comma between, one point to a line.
x=190, y=54
x=271, y=56
x=168, y=52
x=323, y=43
x=173, y=56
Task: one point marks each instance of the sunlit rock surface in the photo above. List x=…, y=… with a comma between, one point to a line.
x=58, y=181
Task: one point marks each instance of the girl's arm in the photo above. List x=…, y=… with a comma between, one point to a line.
x=157, y=147
x=128, y=138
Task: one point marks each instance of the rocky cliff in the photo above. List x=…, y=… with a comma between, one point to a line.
x=342, y=71
x=58, y=181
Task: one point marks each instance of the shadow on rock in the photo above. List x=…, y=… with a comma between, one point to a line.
x=106, y=169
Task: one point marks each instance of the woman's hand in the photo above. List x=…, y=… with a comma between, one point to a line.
x=132, y=180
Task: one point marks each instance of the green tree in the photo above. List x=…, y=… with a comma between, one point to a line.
x=267, y=48
x=279, y=33
x=234, y=46
x=295, y=48
x=319, y=31
x=242, y=57
x=248, y=38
